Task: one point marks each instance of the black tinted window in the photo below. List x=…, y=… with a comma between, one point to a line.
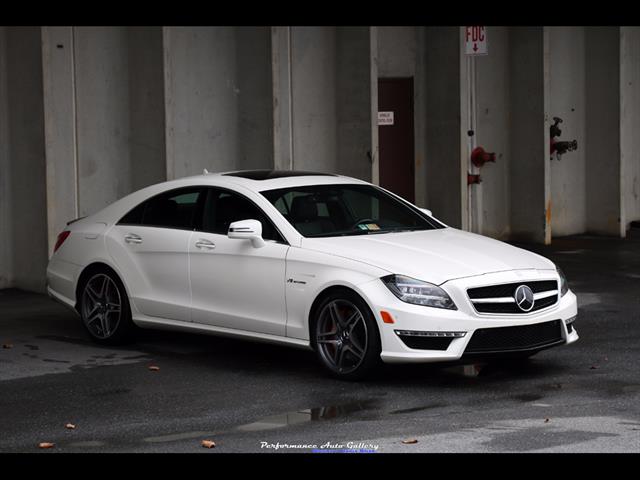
x=223, y=207
x=173, y=209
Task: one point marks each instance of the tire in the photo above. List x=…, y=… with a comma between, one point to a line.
x=104, y=308
x=345, y=336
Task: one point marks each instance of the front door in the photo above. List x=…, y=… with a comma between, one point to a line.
x=233, y=284
x=396, y=136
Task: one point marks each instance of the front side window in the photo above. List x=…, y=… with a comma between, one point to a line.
x=338, y=210
x=173, y=209
x=223, y=207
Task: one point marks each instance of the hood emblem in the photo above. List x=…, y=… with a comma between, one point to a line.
x=524, y=298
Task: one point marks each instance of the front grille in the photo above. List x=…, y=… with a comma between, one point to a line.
x=513, y=339
x=504, y=292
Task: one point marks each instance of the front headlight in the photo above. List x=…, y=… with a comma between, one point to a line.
x=417, y=292
x=564, y=288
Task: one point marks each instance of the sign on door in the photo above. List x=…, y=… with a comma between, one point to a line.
x=475, y=39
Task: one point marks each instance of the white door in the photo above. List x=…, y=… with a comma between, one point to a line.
x=150, y=246
x=233, y=284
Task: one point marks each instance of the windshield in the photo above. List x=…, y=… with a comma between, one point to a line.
x=338, y=210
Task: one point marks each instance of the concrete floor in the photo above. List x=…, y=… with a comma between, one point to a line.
x=580, y=398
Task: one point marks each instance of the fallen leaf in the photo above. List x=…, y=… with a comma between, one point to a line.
x=69, y=426
x=409, y=441
x=154, y=368
x=208, y=444
x=546, y=420
x=46, y=445
x=7, y=345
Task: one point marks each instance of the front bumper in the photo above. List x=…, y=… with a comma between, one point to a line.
x=417, y=318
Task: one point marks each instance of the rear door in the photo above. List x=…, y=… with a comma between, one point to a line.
x=150, y=246
x=233, y=284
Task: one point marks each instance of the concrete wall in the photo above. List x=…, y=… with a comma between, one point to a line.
x=493, y=133
x=24, y=215
x=630, y=123
x=217, y=99
x=353, y=97
x=6, y=237
x=397, y=51
x=529, y=168
x=146, y=106
x=443, y=124
x=330, y=96
x=313, y=94
x=568, y=101
x=602, y=133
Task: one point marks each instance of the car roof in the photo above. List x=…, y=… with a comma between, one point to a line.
x=262, y=180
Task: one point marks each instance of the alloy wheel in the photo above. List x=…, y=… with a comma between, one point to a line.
x=101, y=306
x=342, y=336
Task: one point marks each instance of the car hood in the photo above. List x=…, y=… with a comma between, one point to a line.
x=432, y=255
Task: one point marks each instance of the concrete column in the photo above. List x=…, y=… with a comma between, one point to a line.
x=281, y=80
x=24, y=105
x=568, y=101
x=602, y=143
x=629, y=126
x=373, y=81
x=58, y=78
x=493, y=133
x=529, y=172
x=445, y=145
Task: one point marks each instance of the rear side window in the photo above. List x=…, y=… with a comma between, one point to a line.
x=174, y=209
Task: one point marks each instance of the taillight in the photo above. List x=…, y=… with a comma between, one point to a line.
x=61, y=238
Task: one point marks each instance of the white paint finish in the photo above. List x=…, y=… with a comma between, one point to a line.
x=493, y=133
x=59, y=128
x=397, y=51
x=102, y=85
x=602, y=135
x=457, y=260
x=568, y=101
x=630, y=124
x=26, y=154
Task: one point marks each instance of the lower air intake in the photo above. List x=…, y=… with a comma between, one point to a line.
x=514, y=339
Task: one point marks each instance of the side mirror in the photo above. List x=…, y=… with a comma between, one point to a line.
x=427, y=211
x=247, y=229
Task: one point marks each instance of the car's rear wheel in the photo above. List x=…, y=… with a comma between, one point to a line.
x=104, y=308
x=345, y=336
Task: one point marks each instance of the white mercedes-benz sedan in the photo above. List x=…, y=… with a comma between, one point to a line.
x=312, y=260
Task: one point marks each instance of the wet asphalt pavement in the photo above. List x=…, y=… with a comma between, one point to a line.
x=250, y=397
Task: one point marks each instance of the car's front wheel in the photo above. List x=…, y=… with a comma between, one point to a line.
x=104, y=308
x=345, y=336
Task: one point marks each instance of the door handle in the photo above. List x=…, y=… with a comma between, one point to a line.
x=206, y=244
x=132, y=238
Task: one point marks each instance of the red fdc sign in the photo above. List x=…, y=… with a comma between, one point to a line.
x=475, y=39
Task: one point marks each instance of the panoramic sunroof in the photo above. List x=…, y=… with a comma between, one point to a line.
x=270, y=174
